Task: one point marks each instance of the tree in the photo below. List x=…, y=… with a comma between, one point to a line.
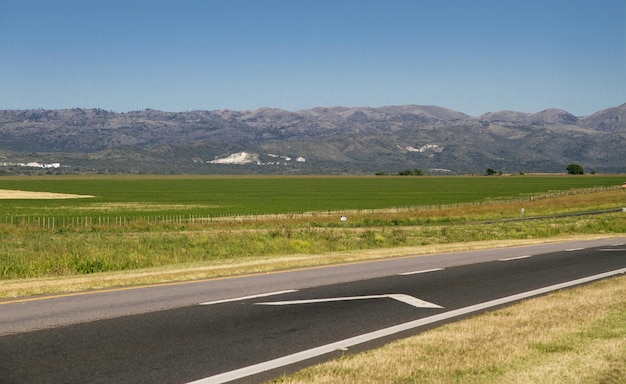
x=575, y=169
x=408, y=172
x=490, y=172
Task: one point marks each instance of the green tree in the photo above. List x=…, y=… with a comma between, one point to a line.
x=575, y=169
x=490, y=172
x=408, y=172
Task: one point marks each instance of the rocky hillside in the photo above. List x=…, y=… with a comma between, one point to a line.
x=333, y=140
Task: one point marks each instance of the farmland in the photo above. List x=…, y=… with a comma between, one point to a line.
x=150, y=196
x=213, y=226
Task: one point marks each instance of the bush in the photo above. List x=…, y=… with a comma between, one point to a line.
x=575, y=169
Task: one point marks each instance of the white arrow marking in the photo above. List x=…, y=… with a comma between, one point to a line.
x=400, y=297
x=385, y=332
x=248, y=297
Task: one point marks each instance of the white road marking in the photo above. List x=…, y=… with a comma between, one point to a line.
x=400, y=297
x=574, y=249
x=248, y=297
x=619, y=244
x=516, y=258
x=352, y=341
x=422, y=271
x=611, y=250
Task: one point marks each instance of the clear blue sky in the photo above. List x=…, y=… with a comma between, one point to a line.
x=473, y=56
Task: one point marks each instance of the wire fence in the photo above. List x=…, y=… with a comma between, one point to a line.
x=55, y=222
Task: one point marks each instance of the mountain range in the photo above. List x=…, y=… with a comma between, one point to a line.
x=323, y=140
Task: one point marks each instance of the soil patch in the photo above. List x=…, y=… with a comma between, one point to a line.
x=15, y=194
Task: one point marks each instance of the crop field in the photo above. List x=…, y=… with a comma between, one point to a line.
x=111, y=198
x=214, y=224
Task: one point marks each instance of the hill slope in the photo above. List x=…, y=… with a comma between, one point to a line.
x=320, y=140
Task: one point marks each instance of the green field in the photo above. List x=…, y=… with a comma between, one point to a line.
x=139, y=222
x=140, y=196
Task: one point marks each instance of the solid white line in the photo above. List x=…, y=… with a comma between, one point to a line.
x=422, y=271
x=515, y=258
x=343, y=344
x=574, y=249
x=248, y=297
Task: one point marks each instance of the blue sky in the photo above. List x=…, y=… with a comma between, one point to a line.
x=471, y=56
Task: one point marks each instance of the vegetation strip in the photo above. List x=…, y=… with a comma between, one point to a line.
x=605, y=211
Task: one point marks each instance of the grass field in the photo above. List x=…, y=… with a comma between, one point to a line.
x=79, y=239
x=144, y=196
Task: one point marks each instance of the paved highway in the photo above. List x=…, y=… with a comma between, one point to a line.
x=257, y=327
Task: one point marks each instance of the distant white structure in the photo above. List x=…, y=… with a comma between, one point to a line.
x=241, y=158
x=32, y=164
x=425, y=148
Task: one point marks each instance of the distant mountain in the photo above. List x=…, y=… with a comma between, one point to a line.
x=549, y=116
x=323, y=140
x=608, y=120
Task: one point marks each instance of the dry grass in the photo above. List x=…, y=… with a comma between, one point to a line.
x=571, y=336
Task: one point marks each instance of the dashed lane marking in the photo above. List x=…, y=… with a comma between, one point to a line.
x=249, y=297
x=422, y=271
x=516, y=258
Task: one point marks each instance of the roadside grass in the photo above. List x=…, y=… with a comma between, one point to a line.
x=571, y=336
x=15, y=288
x=45, y=254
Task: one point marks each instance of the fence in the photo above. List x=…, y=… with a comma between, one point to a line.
x=54, y=222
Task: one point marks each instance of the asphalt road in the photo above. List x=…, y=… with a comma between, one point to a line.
x=258, y=327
